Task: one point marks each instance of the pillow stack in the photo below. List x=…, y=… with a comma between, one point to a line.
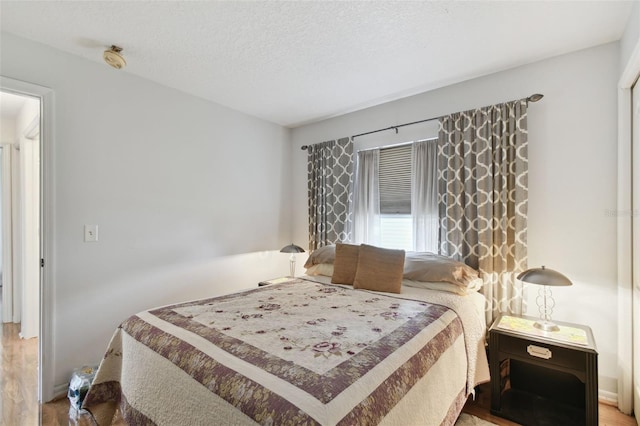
x=379, y=269
x=320, y=261
x=432, y=268
x=363, y=266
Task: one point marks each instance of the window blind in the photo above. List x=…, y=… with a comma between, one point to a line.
x=395, y=180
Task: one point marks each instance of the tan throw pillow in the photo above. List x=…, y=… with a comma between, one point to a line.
x=379, y=269
x=345, y=264
x=431, y=267
x=325, y=254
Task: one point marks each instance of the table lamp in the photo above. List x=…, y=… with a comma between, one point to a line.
x=546, y=278
x=293, y=249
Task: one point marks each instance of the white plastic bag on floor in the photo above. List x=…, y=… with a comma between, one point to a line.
x=79, y=384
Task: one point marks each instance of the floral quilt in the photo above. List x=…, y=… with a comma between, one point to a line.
x=295, y=353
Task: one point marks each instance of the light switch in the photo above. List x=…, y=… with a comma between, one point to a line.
x=90, y=233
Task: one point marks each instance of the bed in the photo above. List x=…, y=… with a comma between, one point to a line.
x=303, y=352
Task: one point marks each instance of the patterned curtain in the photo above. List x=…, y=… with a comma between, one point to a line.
x=482, y=198
x=330, y=171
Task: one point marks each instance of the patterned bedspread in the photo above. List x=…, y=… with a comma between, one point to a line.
x=295, y=353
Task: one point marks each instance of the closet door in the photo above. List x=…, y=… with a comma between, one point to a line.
x=635, y=96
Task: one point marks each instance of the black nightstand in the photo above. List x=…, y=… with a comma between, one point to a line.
x=540, y=381
x=275, y=281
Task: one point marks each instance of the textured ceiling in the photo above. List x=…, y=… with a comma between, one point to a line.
x=298, y=62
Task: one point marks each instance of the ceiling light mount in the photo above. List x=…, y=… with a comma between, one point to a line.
x=114, y=58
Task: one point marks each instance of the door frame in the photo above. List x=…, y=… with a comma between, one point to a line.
x=47, y=217
x=7, y=233
x=635, y=223
x=625, y=242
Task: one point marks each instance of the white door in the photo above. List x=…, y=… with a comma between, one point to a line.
x=635, y=96
x=7, y=234
x=30, y=228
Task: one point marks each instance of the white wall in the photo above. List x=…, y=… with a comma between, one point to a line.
x=572, y=169
x=7, y=232
x=7, y=130
x=191, y=198
x=631, y=36
x=7, y=136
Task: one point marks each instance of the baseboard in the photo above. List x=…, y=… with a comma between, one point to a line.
x=609, y=398
x=60, y=391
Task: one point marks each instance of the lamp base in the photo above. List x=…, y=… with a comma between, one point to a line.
x=292, y=266
x=546, y=325
x=545, y=304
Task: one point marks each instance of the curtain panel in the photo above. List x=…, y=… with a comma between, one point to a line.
x=330, y=177
x=424, y=195
x=366, y=198
x=482, y=198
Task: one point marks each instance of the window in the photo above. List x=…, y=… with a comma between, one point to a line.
x=395, y=180
x=395, y=197
x=396, y=231
x=396, y=224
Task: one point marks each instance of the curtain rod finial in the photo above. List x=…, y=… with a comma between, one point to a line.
x=535, y=97
x=304, y=147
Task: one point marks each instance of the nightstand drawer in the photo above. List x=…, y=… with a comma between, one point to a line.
x=543, y=353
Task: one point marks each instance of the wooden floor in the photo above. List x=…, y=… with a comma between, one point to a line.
x=19, y=378
x=608, y=414
x=19, y=406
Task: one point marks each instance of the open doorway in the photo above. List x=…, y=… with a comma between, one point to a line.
x=46, y=389
x=20, y=212
x=20, y=251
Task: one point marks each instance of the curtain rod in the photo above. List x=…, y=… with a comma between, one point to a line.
x=533, y=98
x=396, y=145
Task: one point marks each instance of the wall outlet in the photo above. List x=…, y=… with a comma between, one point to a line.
x=90, y=233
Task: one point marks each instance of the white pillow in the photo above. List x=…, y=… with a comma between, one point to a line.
x=474, y=286
x=325, y=269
